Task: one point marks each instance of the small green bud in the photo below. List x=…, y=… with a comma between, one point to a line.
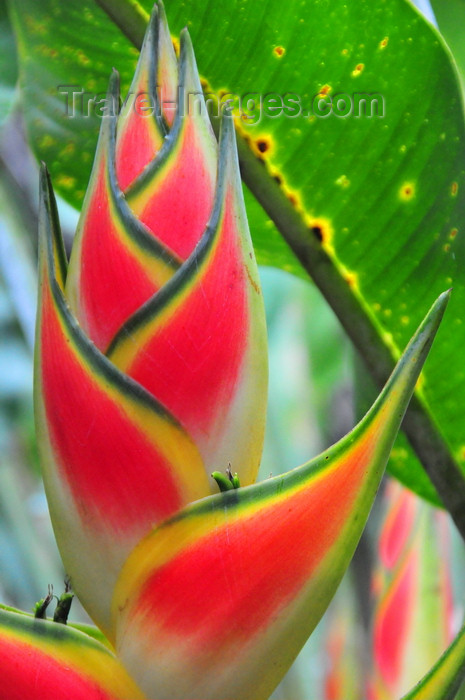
x=40, y=608
x=64, y=605
x=228, y=481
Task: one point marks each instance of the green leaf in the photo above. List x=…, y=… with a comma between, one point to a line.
x=372, y=207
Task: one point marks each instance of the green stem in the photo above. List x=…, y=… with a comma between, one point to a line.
x=418, y=425
x=129, y=16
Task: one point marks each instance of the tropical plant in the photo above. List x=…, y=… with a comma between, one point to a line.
x=151, y=372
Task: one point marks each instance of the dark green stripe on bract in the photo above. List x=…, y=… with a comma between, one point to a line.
x=50, y=238
x=47, y=630
x=48, y=212
x=190, y=269
x=150, y=44
x=135, y=229
x=157, y=17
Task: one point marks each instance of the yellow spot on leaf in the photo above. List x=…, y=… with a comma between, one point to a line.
x=404, y=320
x=407, y=191
x=384, y=42
x=343, y=181
x=453, y=233
x=454, y=189
x=399, y=453
x=293, y=197
x=279, y=51
x=65, y=181
x=262, y=145
x=352, y=280
x=46, y=141
x=325, y=90
x=357, y=70
x=321, y=228
x=83, y=59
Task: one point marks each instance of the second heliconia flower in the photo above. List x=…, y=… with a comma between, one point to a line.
x=152, y=345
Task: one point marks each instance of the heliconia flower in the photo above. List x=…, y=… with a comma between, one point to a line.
x=413, y=618
x=151, y=374
x=43, y=660
x=151, y=366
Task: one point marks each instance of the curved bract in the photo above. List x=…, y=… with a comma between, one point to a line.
x=235, y=584
x=44, y=660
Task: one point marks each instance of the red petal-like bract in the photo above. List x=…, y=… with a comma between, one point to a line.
x=162, y=275
x=44, y=660
x=202, y=352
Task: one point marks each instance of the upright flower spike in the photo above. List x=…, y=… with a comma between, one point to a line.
x=151, y=350
x=191, y=333
x=43, y=660
x=217, y=601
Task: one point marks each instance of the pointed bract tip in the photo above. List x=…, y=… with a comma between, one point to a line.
x=434, y=316
x=113, y=83
x=153, y=21
x=43, y=179
x=160, y=9
x=185, y=42
x=46, y=195
x=228, y=164
x=189, y=77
